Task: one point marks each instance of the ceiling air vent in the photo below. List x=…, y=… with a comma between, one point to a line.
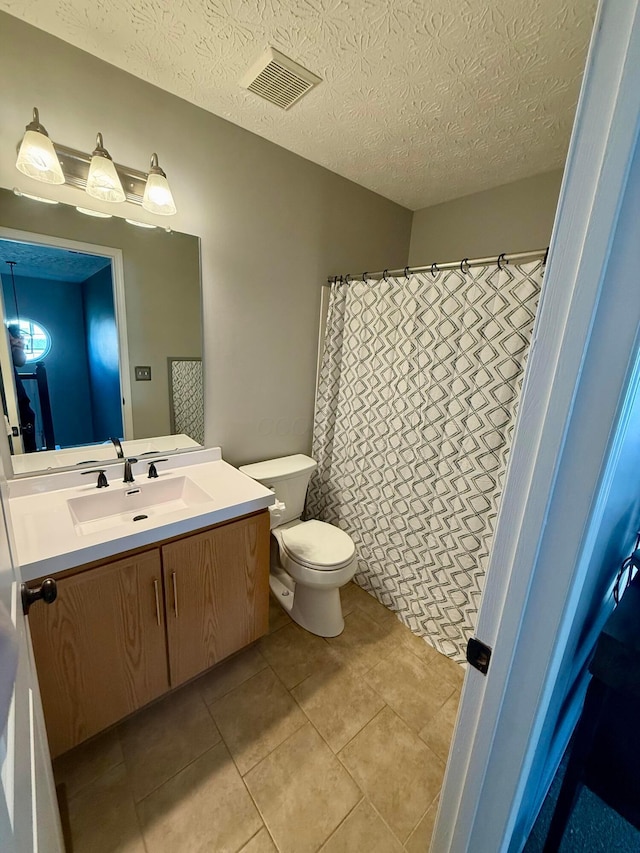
x=278, y=79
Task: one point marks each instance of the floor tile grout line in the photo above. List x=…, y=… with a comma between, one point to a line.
x=337, y=754
x=410, y=725
x=401, y=843
x=423, y=815
x=255, y=834
x=173, y=775
x=115, y=729
x=259, y=810
x=339, y=757
x=344, y=819
x=333, y=751
x=222, y=663
x=224, y=695
x=333, y=754
x=280, y=679
x=429, y=664
x=242, y=775
x=272, y=750
x=135, y=808
x=177, y=773
x=93, y=781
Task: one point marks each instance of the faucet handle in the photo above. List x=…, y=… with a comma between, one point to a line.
x=153, y=473
x=102, y=477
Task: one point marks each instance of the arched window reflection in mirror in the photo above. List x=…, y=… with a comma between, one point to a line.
x=37, y=340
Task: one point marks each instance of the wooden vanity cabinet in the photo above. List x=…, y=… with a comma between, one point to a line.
x=217, y=594
x=100, y=649
x=123, y=633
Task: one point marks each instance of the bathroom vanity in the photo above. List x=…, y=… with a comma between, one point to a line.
x=142, y=606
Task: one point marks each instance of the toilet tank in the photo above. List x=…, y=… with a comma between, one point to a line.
x=288, y=477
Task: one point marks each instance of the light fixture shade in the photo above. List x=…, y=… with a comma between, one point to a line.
x=103, y=182
x=157, y=193
x=37, y=157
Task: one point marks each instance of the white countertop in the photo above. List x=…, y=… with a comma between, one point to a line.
x=47, y=540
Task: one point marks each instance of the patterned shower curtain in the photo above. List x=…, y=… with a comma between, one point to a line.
x=416, y=405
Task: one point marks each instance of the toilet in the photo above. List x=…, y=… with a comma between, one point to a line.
x=310, y=560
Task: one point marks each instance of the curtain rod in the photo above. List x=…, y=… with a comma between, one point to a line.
x=452, y=265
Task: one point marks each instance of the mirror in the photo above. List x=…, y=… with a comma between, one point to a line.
x=101, y=351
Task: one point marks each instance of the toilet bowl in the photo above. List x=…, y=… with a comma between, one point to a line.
x=310, y=560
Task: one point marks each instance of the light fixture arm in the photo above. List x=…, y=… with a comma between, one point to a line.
x=100, y=150
x=155, y=169
x=35, y=125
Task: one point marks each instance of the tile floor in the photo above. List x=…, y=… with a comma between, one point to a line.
x=297, y=744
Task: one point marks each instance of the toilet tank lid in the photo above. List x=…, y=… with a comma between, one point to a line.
x=272, y=470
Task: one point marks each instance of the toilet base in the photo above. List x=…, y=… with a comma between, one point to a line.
x=316, y=609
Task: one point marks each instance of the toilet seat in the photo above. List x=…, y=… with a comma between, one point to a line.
x=317, y=545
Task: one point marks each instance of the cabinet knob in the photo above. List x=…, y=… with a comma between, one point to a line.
x=47, y=591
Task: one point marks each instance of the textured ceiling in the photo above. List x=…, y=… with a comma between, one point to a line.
x=422, y=100
x=48, y=262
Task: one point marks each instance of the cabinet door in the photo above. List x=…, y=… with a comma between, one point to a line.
x=100, y=648
x=217, y=588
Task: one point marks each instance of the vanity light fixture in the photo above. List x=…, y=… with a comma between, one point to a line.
x=96, y=173
x=97, y=213
x=40, y=198
x=37, y=157
x=103, y=182
x=157, y=193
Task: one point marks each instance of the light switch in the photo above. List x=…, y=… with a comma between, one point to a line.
x=143, y=374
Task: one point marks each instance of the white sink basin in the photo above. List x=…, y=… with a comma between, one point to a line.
x=104, y=509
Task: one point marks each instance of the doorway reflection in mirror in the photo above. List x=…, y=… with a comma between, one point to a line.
x=66, y=383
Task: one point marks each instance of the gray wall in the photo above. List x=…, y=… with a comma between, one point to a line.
x=273, y=226
x=162, y=293
x=515, y=217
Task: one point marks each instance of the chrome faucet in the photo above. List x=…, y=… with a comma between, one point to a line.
x=128, y=473
x=118, y=447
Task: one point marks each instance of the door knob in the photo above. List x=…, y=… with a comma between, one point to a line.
x=47, y=591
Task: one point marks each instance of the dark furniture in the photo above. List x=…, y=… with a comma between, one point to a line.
x=605, y=755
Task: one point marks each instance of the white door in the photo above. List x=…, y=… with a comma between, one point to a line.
x=573, y=472
x=29, y=819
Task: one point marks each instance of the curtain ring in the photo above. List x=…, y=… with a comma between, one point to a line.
x=385, y=275
x=462, y=263
x=434, y=266
x=364, y=277
x=406, y=273
x=347, y=278
x=500, y=259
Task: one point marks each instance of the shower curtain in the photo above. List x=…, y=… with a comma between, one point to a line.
x=416, y=404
